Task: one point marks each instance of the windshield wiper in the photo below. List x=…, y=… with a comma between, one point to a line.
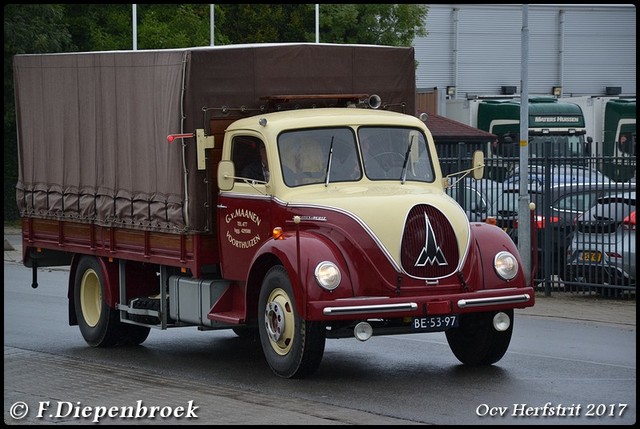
x=326, y=183
x=406, y=159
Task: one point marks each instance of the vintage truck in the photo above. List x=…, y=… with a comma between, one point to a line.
x=138, y=170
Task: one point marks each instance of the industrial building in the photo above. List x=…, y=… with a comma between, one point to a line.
x=574, y=50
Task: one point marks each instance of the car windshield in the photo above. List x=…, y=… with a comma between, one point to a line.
x=622, y=198
x=557, y=145
x=559, y=174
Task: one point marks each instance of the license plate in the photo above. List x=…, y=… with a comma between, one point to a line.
x=590, y=256
x=435, y=323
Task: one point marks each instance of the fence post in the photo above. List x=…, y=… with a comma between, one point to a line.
x=546, y=212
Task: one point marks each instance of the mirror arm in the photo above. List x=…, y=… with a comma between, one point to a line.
x=463, y=173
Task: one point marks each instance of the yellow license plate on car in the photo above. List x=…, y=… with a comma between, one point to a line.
x=591, y=256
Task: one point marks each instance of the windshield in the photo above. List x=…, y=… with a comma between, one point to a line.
x=557, y=145
x=331, y=155
x=391, y=153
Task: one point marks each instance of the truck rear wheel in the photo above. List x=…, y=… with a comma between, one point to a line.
x=99, y=324
x=476, y=342
x=246, y=331
x=292, y=346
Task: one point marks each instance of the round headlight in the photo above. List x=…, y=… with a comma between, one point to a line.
x=328, y=275
x=506, y=265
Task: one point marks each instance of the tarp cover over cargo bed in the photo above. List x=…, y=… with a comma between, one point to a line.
x=92, y=127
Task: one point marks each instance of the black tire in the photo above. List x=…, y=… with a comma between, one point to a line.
x=99, y=324
x=133, y=335
x=475, y=342
x=292, y=346
x=246, y=331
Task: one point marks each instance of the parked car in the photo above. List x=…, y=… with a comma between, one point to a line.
x=476, y=197
x=603, y=246
x=559, y=174
x=554, y=217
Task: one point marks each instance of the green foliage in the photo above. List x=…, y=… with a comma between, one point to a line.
x=268, y=23
x=100, y=27
x=375, y=24
x=42, y=28
x=35, y=28
x=173, y=26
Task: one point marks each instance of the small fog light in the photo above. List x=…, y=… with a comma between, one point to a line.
x=501, y=321
x=363, y=331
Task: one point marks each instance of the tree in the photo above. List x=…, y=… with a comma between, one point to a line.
x=100, y=27
x=375, y=24
x=177, y=26
x=268, y=23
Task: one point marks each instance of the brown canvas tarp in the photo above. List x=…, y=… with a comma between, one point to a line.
x=92, y=127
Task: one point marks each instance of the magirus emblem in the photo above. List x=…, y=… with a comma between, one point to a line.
x=431, y=253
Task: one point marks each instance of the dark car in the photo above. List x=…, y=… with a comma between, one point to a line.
x=603, y=247
x=554, y=217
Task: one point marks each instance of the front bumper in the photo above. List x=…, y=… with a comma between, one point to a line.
x=361, y=308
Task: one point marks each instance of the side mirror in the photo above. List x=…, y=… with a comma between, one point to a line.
x=226, y=175
x=476, y=170
x=477, y=165
x=588, y=145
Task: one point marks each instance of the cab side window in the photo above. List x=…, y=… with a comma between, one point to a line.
x=248, y=153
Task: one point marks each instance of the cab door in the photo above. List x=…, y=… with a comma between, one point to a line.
x=244, y=214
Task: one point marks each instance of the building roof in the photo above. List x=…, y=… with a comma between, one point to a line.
x=445, y=130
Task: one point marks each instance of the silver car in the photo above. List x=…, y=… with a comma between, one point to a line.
x=603, y=247
x=476, y=197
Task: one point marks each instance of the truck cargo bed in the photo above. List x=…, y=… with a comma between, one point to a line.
x=53, y=239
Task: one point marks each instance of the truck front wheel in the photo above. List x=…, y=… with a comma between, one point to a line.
x=476, y=342
x=99, y=324
x=293, y=347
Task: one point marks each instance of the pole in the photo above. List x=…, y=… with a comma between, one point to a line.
x=212, y=20
x=134, y=20
x=524, y=217
x=317, y=23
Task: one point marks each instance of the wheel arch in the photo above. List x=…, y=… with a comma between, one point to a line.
x=314, y=249
x=257, y=272
x=488, y=240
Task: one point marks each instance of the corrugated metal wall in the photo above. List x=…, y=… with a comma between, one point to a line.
x=476, y=48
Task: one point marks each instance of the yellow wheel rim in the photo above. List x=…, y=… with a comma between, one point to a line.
x=280, y=321
x=91, y=298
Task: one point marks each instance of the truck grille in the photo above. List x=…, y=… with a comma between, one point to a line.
x=429, y=245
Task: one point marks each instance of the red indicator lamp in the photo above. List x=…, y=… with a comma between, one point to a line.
x=172, y=137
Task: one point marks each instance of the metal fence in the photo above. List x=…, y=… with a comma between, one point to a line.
x=582, y=226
